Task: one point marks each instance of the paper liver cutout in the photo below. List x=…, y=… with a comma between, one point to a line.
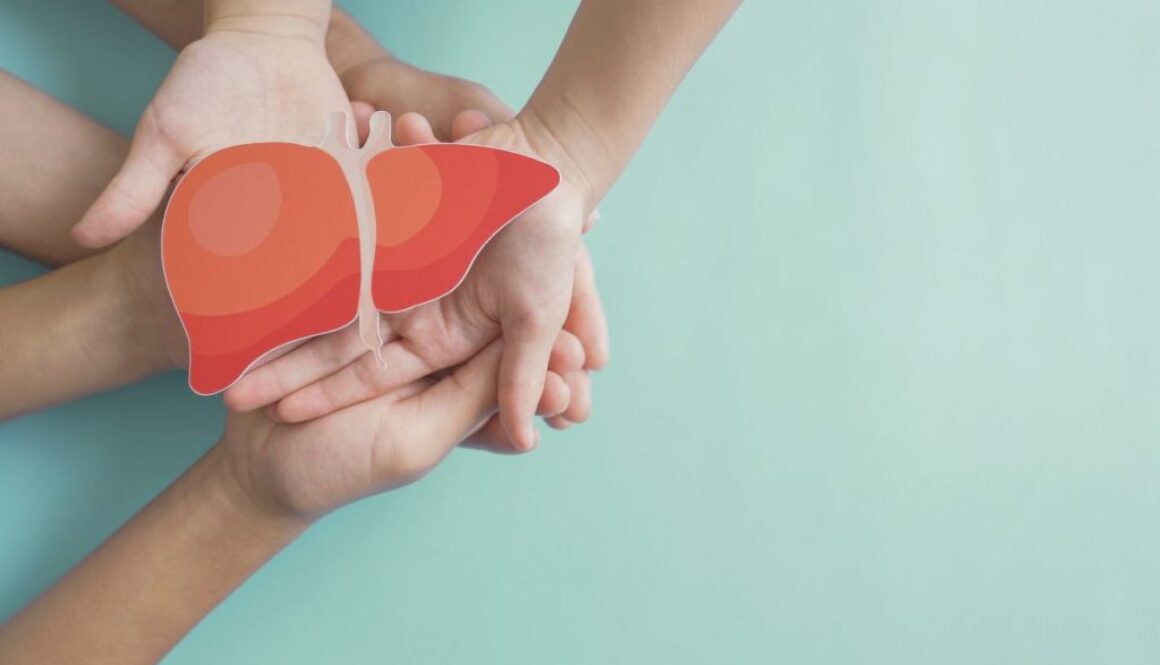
x=266, y=244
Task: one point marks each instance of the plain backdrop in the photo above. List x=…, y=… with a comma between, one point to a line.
x=886, y=364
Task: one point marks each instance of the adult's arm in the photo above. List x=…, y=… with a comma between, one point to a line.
x=83, y=328
x=262, y=484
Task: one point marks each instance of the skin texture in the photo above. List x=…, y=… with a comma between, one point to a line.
x=86, y=327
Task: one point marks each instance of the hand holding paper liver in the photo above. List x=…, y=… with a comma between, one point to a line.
x=233, y=86
x=443, y=334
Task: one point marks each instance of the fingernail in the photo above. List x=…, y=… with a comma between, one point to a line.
x=531, y=438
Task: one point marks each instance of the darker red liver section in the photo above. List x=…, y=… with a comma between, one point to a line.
x=519, y=182
x=224, y=346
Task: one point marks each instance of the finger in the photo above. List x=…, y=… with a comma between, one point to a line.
x=590, y=222
x=459, y=403
x=580, y=392
x=556, y=396
x=493, y=438
x=493, y=108
x=567, y=353
x=362, y=379
x=362, y=120
x=468, y=122
x=133, y=194
x=586, y=319
x=527, y=347
x=412, y=129
x=558, y=422
x=579, y=405
x=310, y=362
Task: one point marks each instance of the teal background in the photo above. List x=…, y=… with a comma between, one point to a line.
x=886, y=364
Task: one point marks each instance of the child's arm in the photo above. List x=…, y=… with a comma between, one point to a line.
x=618, y=66
x=258, y=73
x=150, y=583
x=369, y=72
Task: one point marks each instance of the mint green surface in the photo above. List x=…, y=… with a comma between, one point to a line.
x=885, y=302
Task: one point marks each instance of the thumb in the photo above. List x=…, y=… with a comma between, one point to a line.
x=133, y=194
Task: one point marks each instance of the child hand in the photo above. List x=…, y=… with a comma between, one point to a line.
x=235, y=85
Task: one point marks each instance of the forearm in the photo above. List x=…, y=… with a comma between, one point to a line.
x=70, y=333
x=179, y=22
x=618, y=66
x=151, y=582
x=55, y=162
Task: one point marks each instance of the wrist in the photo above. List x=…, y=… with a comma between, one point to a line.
x=231, y=487
x=146, y=320
x=559, y=134
x=128, y=321
x=349, y=47
x=305, y=20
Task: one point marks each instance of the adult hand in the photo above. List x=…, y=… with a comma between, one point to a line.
x=302, y=471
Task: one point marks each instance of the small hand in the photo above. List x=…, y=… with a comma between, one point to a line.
x=228, y=88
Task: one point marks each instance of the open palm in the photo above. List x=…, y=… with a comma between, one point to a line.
x=225, y=89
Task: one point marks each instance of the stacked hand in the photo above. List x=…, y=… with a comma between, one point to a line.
x=533, y=285
x=533, y=279
x=305, y=470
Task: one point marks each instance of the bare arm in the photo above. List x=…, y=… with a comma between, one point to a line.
x=133, y=598
x=55, y=162
x=71, y=333
x=368, y=70
x=179, y=23
x=618, y=66
x=153, y=580
x=83, y=328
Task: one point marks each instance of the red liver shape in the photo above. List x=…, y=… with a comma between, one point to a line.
x=261, y=242
x=260, y=248
x=436, y=206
